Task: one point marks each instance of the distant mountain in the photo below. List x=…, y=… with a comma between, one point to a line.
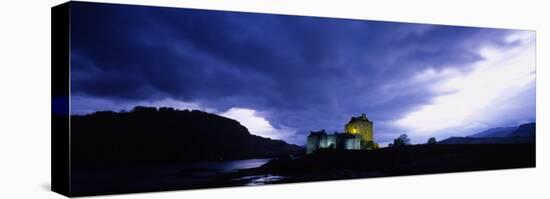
x=522, y=134
x=149, y=136
x=494, y=132
x=490, y=140
x=524, y=130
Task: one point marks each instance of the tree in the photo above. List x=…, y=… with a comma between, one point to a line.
x=402, y=140
x=432, y=141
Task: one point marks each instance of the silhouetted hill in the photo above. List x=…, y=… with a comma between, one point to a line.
x=495, y=132
x=523, y=134
x=150, y=136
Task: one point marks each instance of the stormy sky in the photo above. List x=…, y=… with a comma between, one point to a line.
x=283, y=76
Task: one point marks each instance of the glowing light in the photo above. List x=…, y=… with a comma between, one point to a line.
x=495, y=80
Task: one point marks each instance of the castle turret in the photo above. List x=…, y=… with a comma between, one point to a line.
x=364, y=127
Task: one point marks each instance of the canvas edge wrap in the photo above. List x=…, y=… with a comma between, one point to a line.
x=61, y=105
x=60, y=74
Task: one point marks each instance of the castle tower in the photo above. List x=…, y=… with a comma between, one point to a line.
x=364, y=127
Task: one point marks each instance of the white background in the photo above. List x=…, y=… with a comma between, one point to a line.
x=25, y=100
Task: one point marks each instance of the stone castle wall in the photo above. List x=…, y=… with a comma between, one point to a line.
x=358, y=135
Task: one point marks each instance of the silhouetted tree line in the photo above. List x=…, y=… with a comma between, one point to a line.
x=151, y=136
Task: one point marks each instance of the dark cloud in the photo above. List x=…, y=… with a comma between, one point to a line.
x=302, y=72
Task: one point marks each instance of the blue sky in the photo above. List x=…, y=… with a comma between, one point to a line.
x=283, y=76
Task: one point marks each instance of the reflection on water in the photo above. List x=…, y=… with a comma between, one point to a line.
x=205, y=169
x=261, y=179
x=226, y=166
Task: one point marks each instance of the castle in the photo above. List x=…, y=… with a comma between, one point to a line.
x=358, y=135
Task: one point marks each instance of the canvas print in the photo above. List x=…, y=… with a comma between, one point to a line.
x=156, y=98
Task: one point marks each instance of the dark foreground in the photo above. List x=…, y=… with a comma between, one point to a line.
x=324, y=165
x=410, y=160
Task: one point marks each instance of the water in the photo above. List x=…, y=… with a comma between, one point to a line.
x=231, y=166
x=181, y=176
x=227, y=166
x=261, y=179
